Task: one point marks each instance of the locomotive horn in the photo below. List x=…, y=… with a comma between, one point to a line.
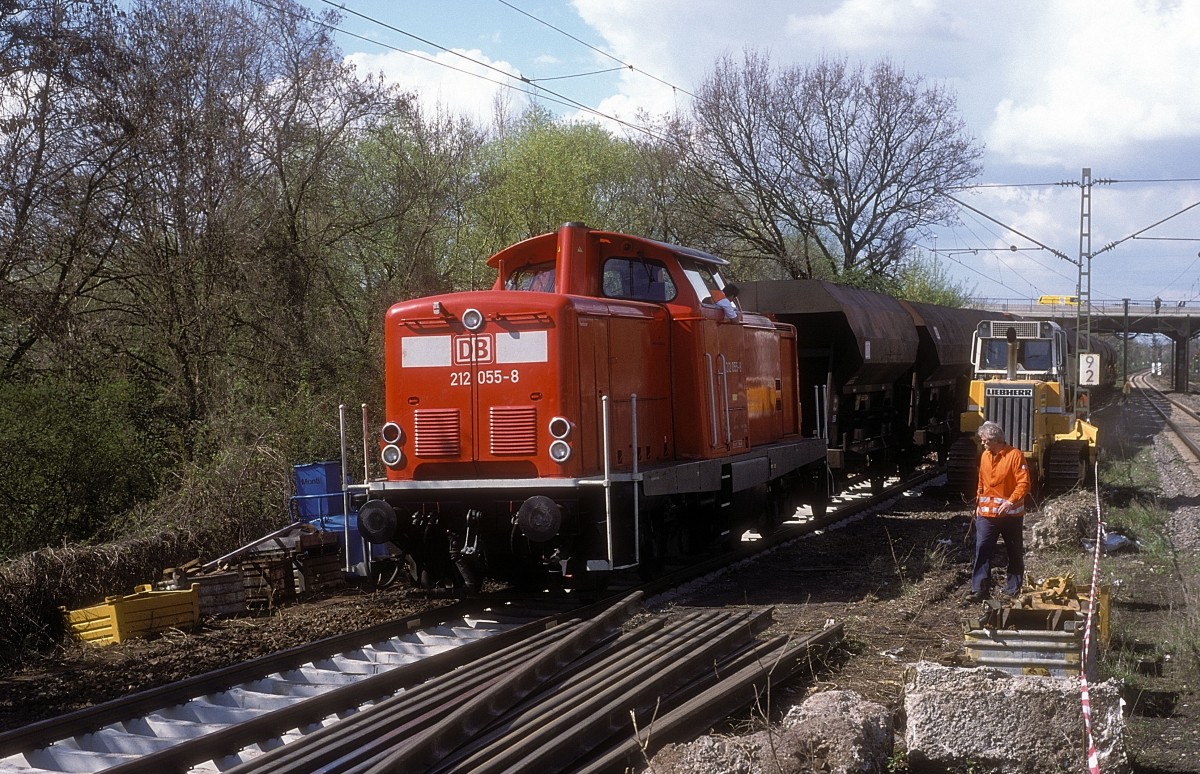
x=539, y=518
x=377, y=521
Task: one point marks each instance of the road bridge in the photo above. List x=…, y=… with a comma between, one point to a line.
x=1174, y=319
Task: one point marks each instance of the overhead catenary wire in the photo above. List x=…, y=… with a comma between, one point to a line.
x=624, y=64
x=562, y=98
x=521, y=80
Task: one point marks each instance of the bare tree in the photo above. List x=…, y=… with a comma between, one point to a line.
x=60, y=207
x=826, y=169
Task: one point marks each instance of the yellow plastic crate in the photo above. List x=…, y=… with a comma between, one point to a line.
x=144, y=612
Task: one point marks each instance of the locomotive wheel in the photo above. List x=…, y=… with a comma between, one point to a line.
x=1066, y=465
x=962, y=466
x=778, y=508
x=384, y=572
x=652, y=547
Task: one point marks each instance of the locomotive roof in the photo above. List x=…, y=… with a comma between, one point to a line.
x=694, y=254
x=690, y=252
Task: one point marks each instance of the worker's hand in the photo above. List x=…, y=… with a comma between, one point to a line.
x=1003, y=508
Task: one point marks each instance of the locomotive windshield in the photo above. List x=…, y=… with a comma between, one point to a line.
x=538, y=277
x=1032, y=355
x=638, y=279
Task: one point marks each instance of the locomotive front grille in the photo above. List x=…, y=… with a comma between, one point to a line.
x=436, y=432
x=1026, y=329
x=513, y=430
x=1011, y=406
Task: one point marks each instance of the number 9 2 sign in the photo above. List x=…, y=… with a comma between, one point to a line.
x=1089, y=368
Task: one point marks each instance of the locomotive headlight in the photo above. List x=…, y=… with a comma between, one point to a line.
x=472, y=319
x=392, y=456
x=560, y=451
x=392, y=433
x=560, y=427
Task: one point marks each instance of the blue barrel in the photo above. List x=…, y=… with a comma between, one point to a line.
x=318, y=492
x=318, y=501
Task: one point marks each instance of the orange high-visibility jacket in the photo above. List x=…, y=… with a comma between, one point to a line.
x=1002, y=476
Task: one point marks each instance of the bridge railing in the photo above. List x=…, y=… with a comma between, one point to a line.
x=1137, y=308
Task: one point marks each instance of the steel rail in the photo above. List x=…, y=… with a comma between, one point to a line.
x=555, y=732
x=1148, y=390
x=82, y=721
x=407, y=712
x=749, y=679
x=426, y=748
x=228, y=741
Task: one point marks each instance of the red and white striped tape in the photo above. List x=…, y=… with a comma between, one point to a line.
x=1093, y=760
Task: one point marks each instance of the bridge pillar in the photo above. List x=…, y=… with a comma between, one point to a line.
x=1181, y=359
x=1179, y=379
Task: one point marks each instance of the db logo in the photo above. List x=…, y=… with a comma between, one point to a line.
x=472, y=349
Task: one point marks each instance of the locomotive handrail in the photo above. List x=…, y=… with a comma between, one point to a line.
x=819, y=413
x=607, y=482
x=345, y=492
x=725, y=398
x=637, y=527
x=712, y=401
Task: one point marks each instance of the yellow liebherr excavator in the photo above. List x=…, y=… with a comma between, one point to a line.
x=1023, y=380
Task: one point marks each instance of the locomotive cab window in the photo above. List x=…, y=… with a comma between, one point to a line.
x=704, y=282
x=538, y=277
x=638, y=279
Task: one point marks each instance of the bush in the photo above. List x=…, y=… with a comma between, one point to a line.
x=78, y=455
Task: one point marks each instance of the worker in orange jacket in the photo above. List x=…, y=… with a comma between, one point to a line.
x=999, y=511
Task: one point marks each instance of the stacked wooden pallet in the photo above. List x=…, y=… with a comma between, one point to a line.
x=320, y=563
x=267, y=576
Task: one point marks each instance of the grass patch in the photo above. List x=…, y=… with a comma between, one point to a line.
x=1155, y=620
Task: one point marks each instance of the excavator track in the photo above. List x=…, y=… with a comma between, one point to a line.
x=1066, y=465
x=962, y=466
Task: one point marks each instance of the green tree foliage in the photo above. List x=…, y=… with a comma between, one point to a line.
x=924, y=278
x=415, y=177
x=539, y=173
x=76, y=458
x=61, y=156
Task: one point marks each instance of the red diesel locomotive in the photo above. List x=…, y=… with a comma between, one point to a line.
x=594, y=410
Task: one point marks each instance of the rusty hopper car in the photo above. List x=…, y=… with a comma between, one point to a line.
x=941, y=376
x=855, y=346
x=594, y=410
x=882, y=381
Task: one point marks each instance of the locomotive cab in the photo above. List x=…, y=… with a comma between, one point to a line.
x=588, y=412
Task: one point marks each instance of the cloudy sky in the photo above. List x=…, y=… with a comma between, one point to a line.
x=1048, y=87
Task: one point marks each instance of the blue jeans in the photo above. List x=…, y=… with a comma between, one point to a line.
x=987, y=532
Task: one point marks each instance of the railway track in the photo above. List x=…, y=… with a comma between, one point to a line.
x=340, y=704
x=1179, y=417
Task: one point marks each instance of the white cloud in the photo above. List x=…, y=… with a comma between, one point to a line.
x=465, y=81
x=865, y=26
x=1094, y=78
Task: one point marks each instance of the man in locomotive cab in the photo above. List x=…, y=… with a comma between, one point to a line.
x=723, y=298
